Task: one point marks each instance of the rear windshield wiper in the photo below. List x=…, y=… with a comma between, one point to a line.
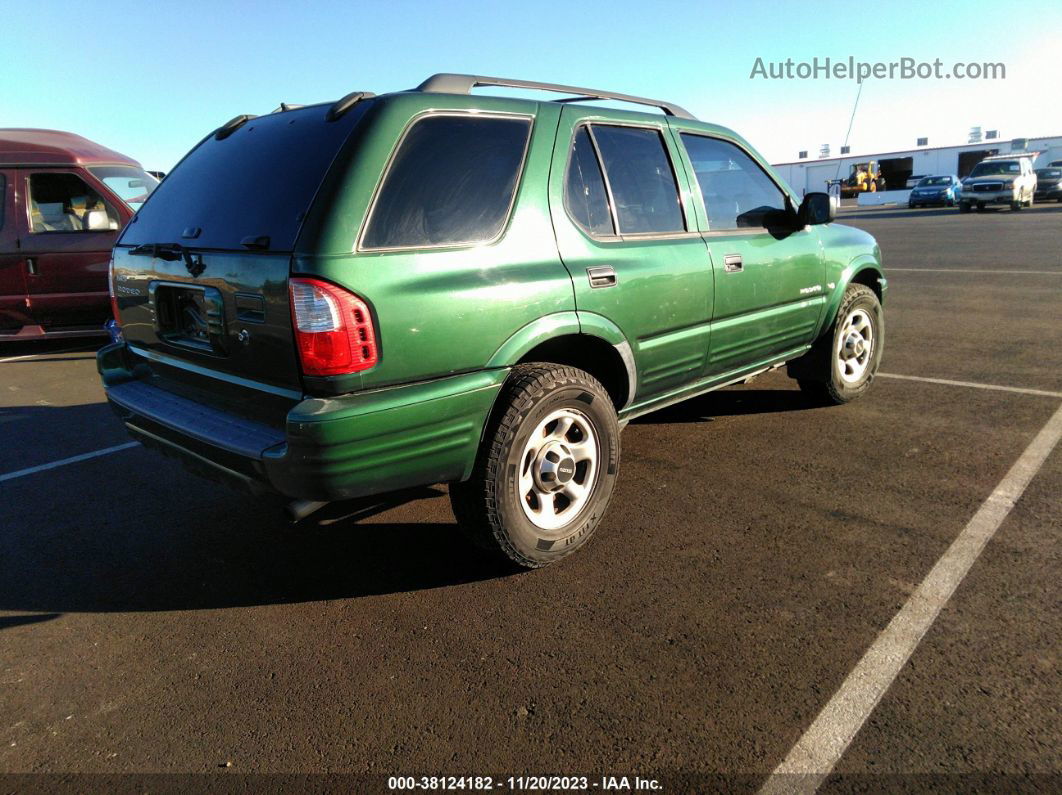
x=171, y=252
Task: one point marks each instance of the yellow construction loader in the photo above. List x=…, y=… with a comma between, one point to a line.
x=862, y=177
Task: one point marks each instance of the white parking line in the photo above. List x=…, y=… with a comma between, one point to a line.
x=999, y=272
x=825, y=741
x=946, y=382
x=63, y=462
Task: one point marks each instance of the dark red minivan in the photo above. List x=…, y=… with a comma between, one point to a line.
x=63, y=200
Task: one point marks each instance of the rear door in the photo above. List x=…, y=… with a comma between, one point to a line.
x=769, y=282
x=69, y=231
x=13, y=311
x=626, y=233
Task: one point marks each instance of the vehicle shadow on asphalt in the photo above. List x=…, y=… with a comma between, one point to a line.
x=133, y=531
x=45, y=347
x=732, y=402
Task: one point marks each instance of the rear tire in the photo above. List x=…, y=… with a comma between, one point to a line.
x=546, y=468
x=841, y=365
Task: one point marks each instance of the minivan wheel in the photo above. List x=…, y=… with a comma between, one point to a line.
x=546, y=467
x=848, y=357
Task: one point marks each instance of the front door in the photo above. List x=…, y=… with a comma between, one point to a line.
x=13, y=312
x=769, y=279
x=626, y=232
x=66, y=245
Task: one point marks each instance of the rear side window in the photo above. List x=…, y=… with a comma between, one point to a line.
x=63, y=202
x=584, y=188
x=257, y=182
x=451, y=182
x=737, y=193
x=642, y=182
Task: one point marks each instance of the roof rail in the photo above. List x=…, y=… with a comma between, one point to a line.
x=463, y=84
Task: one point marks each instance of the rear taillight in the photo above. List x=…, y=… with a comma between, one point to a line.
x=333, y=328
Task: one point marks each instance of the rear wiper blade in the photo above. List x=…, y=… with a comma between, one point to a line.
x=171, y=252
x=164, y=251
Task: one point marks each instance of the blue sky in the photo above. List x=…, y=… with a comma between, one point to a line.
x=150, y=79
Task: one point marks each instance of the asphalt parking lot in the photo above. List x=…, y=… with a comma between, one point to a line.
x=757, y=547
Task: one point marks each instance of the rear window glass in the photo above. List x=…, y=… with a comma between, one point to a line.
x=643, y=185
x=259, y=181
x=451, y=182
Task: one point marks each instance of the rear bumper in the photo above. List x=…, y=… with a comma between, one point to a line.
x=329, y=448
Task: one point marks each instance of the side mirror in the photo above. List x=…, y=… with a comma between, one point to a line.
x=817, y=208
x=95, y=220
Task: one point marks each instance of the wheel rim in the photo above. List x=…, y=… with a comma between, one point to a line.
x=558, y=469
x=855, y=346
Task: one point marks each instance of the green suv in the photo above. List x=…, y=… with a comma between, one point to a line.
x=424, y=287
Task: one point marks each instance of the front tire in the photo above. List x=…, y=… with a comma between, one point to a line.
x=546, y=468
x=841, y=365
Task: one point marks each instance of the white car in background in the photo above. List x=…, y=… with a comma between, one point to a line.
x=1001, y=179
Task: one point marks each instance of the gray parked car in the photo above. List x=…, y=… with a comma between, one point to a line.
x=1049, y=184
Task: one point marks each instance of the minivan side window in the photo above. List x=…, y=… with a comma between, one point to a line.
x=451, y=182
x=642, y=181
x=737, y=193
x=584, y=188
x=63, y=202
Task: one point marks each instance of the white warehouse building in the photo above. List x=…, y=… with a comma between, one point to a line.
x=806, y=175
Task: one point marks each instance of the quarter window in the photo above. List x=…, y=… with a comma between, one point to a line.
x=737, y=193
x=642, y=182
x=584, y=188
x=63, y=202
x=451, y=182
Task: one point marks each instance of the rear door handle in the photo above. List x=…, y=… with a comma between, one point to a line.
x=31, y=265
x=732, y=263
x=602, y=276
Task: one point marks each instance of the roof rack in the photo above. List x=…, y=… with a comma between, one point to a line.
x=463, y=84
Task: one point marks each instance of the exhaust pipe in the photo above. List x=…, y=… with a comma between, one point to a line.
x=300, y=509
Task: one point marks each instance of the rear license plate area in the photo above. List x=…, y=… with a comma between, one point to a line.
x=189, y=316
